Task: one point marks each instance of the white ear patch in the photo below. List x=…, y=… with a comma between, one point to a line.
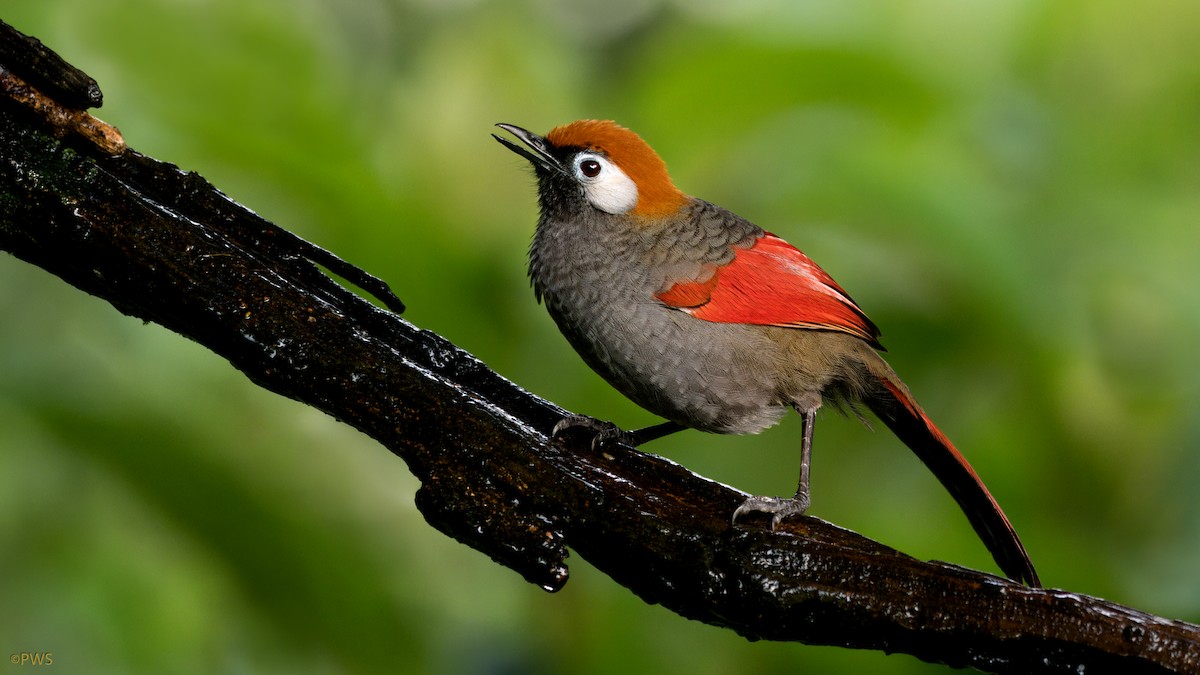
x=605, y=185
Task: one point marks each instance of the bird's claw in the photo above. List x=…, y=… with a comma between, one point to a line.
x=778, y=507
x=602, y=432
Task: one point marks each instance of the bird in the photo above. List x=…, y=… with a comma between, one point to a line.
x=711, y=322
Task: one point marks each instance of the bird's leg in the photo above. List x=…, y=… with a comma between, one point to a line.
x=780, y=507
x=807, y=421
x=653, y=433
x=607, y=432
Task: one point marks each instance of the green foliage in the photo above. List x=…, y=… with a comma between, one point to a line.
x=1008, y=188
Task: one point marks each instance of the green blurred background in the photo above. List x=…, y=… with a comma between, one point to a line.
x=1010, y=189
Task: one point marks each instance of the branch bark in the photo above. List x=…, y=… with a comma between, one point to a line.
x=164, y=245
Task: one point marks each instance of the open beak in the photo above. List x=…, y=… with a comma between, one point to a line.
x=541, y=153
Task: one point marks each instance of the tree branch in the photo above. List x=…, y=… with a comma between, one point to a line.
x=164, y=245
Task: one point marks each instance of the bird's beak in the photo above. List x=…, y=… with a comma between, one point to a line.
x=541, y=150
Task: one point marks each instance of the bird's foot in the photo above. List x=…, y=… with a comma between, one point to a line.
x=602, y=432
x=778, y=507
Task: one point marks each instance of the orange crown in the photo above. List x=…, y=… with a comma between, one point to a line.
x=657, y=195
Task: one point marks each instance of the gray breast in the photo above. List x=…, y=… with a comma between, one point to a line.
x=598, y=282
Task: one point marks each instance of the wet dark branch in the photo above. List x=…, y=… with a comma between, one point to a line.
x=165, y=246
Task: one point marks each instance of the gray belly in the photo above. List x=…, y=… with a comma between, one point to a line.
x=712, y=376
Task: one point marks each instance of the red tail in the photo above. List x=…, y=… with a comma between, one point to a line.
x=896, y=407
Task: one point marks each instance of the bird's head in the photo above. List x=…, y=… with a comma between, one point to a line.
x=599, y=165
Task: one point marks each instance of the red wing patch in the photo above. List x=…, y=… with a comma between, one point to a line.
x=772, y=283
x=689, y=295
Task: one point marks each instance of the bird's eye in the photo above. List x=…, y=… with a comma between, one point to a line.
x=603, y=183
x=590, y=168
